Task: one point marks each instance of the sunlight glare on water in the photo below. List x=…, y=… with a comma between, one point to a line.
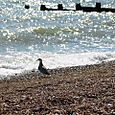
x=26, y=34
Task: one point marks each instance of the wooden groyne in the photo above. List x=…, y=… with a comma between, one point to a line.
x=78, y=7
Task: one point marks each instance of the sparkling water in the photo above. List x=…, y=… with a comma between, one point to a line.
x=60, y=38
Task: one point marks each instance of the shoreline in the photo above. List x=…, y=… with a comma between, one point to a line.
x=82, y=90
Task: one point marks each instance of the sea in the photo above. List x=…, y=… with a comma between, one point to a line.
x=59, y=38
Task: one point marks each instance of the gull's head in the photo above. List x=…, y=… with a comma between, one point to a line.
x=39, y=59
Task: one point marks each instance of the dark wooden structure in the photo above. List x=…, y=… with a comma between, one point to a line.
x=97, y=8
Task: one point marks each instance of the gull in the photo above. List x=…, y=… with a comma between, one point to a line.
x=42, y=68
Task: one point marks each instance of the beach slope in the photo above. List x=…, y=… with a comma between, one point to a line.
x=78, y=90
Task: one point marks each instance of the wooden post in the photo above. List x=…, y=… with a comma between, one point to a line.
x=43, y=8
x=78, y=6
x=98, y=7
x=60, y=7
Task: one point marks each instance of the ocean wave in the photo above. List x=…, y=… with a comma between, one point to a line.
x=25, y=61
x=31, y=34
x=55, y=31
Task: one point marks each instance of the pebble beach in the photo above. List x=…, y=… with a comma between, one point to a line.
x=77, y=47
x=80, y=90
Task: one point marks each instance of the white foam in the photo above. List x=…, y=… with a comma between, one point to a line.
x=18, y=62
